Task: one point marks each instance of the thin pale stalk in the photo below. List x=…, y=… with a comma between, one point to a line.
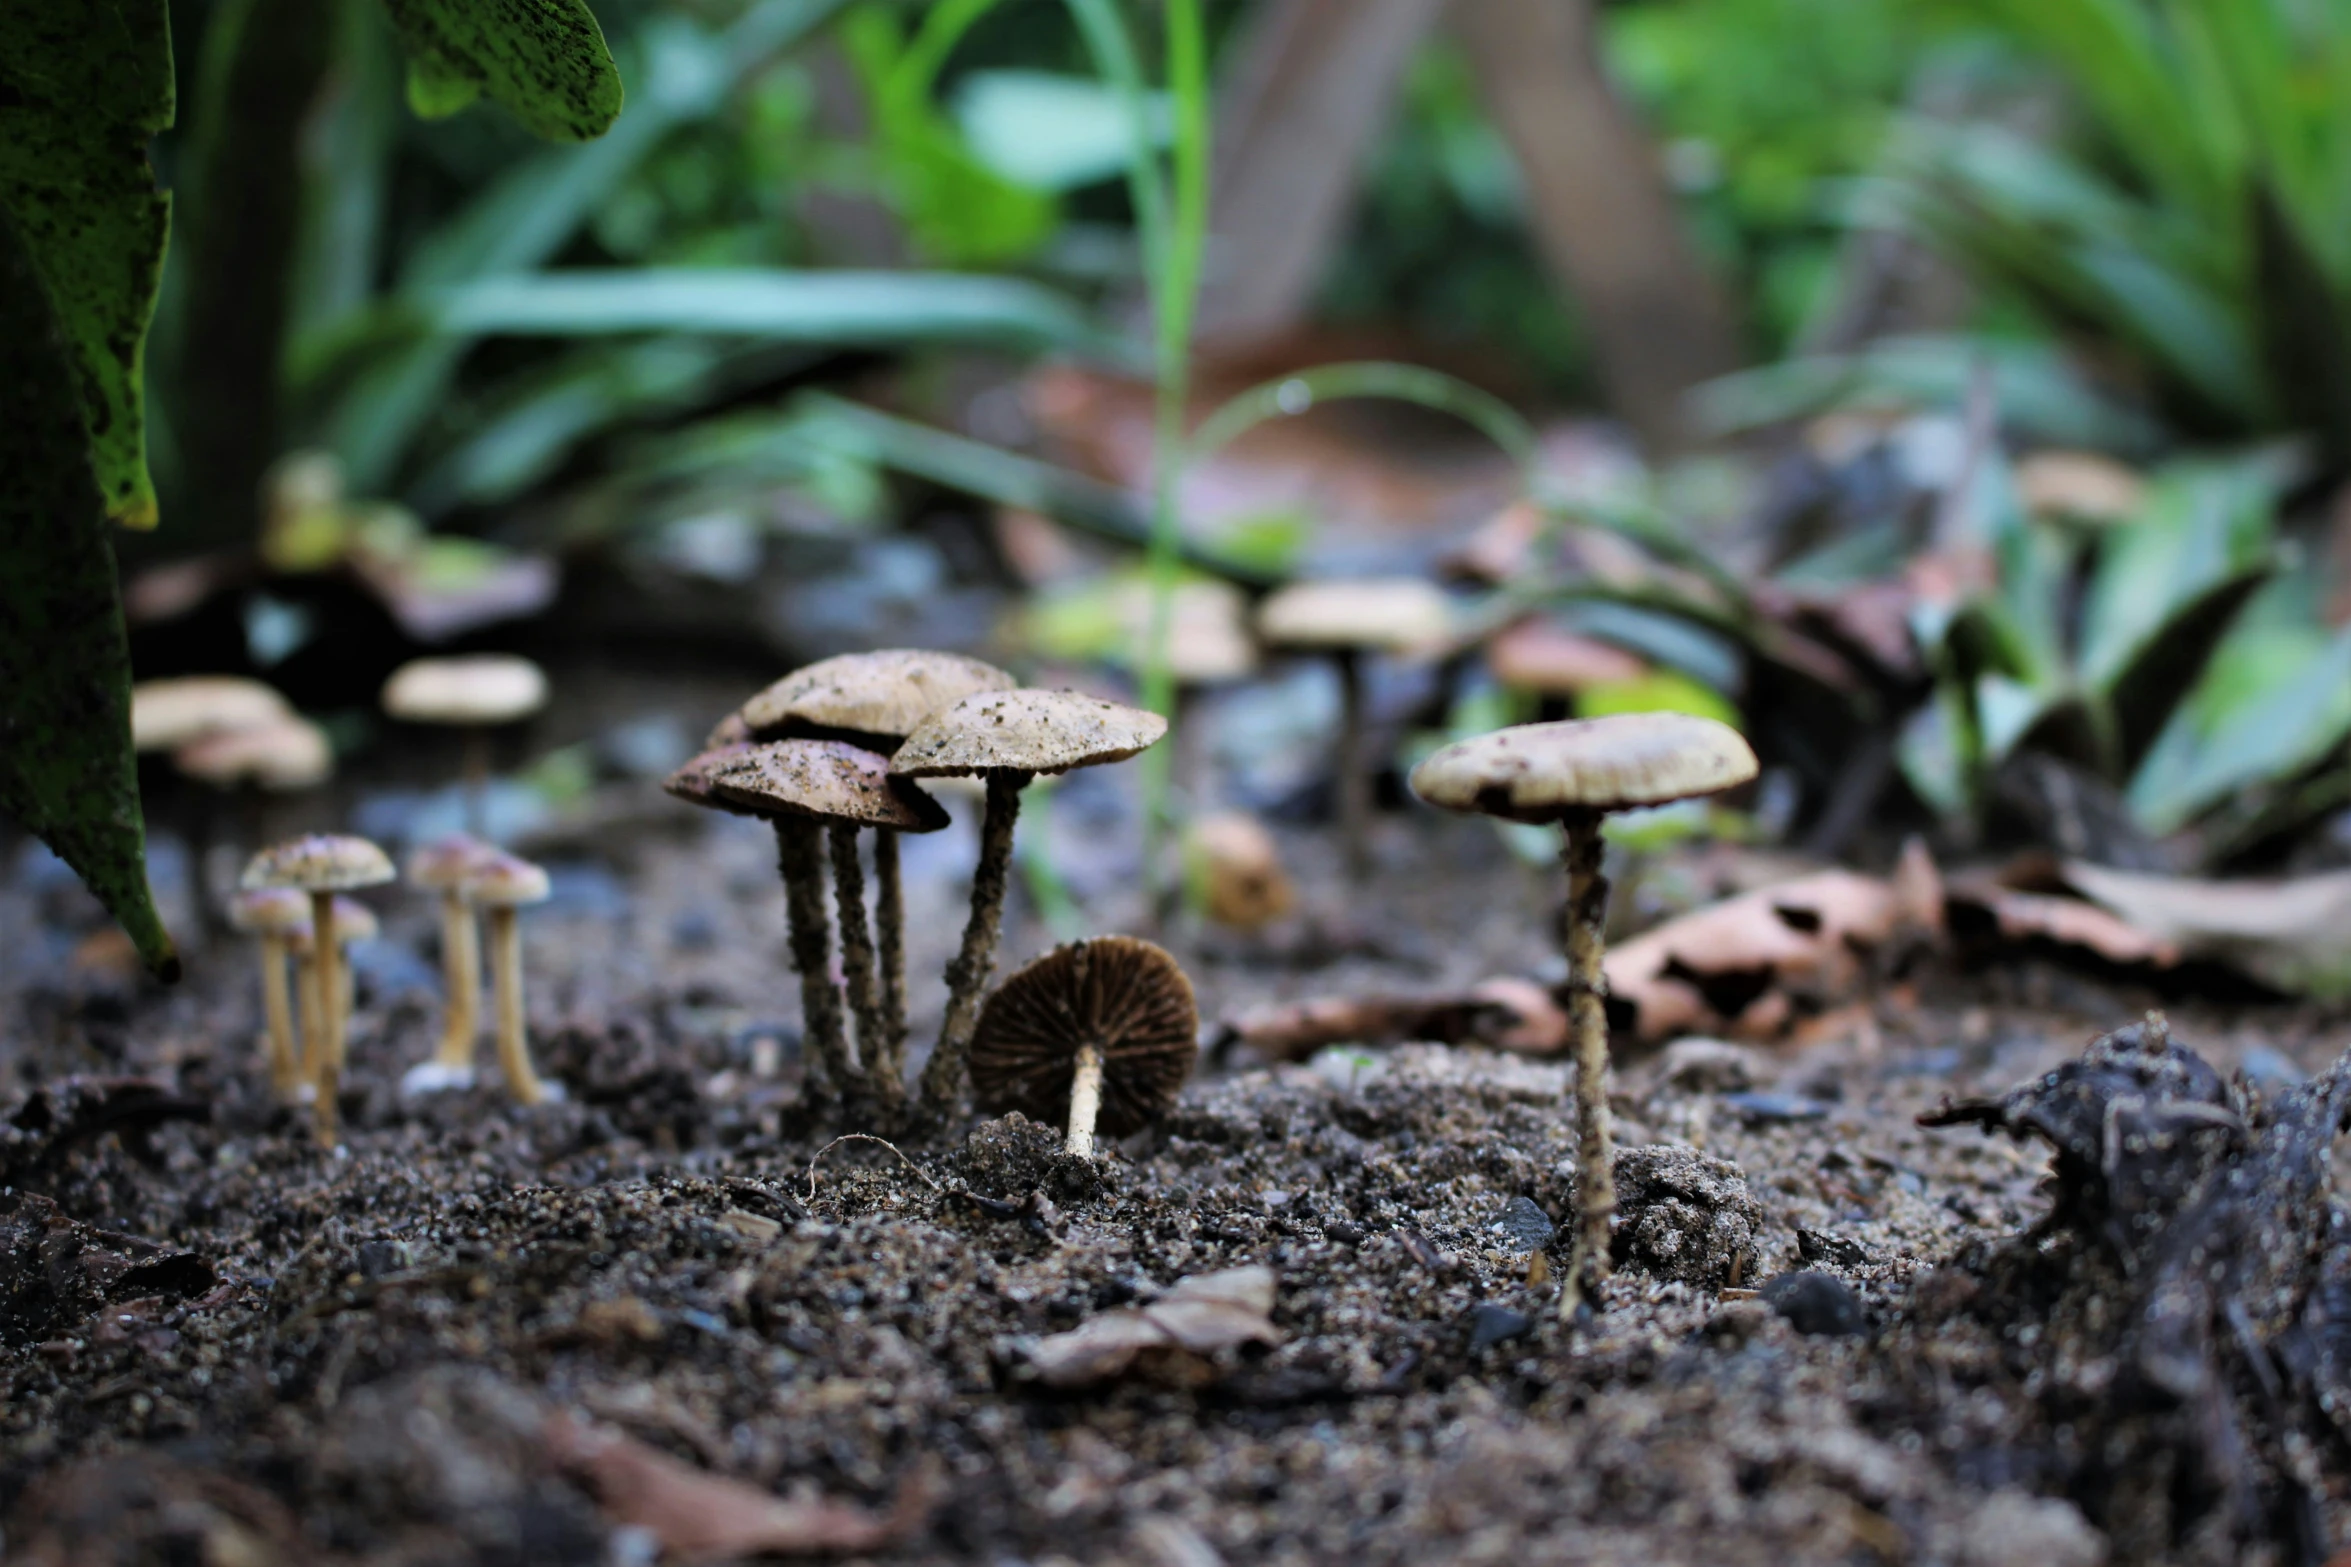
x=461, y=973
x=1587, y=1017
x=326, y=961
x=514, y=1046
x=1085, y=1101
x=277, y=1010
x=889, y=909
x=858, y=964
x=801, y=863
x=967, y=975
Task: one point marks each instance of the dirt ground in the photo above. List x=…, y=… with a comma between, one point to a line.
x=221, y=1345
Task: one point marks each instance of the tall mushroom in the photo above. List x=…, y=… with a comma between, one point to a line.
x=1006, y=738
x=476, y=693
x=170, y=714
x=501, y=885
x=1099, y=1033
x=801, y=785
x=323, y=865
x=445, y=866
x=1574, y=773
x=273, y=916
x=1348, y=618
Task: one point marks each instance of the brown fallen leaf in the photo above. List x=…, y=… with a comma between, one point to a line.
x=1237, y=868
x=1175, y=1339
x=1505, y=1013
x=2294, y=934
x=1982, y=909
x=697, y=1516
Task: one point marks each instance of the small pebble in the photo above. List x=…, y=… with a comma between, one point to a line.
x=1523, y=1226
x=1776, y=1109
x=1490, y=1324
x=1817, y=1305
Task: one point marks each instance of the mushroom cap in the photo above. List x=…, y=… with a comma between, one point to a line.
x=168, y=714
x=477, y=690
x=444, y=864
x=830, y=780
x=506, y=881
x=1124, y=996
x=270, y=911
x=730, y=730
x=1379, y=614
x=1548, y=659
x=1027, y=732
x=1208, y=639
x=884, y=693
x=281, y=755
x=1542, y=772
x=322, y=862
x=693, y=783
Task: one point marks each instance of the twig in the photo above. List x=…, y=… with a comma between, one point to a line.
x=866, y=1137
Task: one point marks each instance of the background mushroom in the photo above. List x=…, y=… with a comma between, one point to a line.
x=284, y=755
x=1546, y=661
x=501, y=885
x=1345, y=619
x=272, y=916
x=476, y=693
x=1574, y=773
x=445, y=866
x=1099, y=1033
x=323, y=865
x=1006, y=738
x=168, y=715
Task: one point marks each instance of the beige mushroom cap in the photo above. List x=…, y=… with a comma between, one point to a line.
x=270, y=911
x=1376, y=614
x=446, y=863
x=695, y=782
x=830, y=780
x=730, y=730
x=1208, y=639
x=1124, y=996
x=1541, y=772
x=1550, y=660
x=167, y=714
x=477, y=690
x=322, y=862
x=506, y=881
x=1025, y=732
x=284, y=754
x=884, y=693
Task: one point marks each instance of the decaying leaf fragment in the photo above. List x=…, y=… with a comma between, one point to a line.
x=1179, y=1338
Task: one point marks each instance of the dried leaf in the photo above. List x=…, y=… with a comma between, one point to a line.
x=1176, y=1338
x=2294, y=934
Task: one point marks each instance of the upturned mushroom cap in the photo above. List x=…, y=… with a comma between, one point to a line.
x=283, y=754
x=479, y=690
x=270, y=911
x=1126, y=997
x=168, y=714
x=506, y=881
x=322, y=862
x=1550, y=660
x=446, y=862
x=884, y=694
x=1026, y=732
x=694, y=783
x=730, y=730
x=829, y=780
x=1375, y=614
x=1541, y=772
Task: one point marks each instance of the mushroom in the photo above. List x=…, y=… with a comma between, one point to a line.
x=169, y=715
x=873, y=700
x=354, y=923
x=475, y=693
x=1574, y=773
x=323, y=865
x=1554, y=665
x=1348, y=618
x=799, y=784
x=273, y=916
x=1096, y=1033
x=444, y=866
x=500, y=885
x=1006, y=738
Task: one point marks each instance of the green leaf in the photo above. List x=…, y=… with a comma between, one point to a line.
x=66, y=768
x=2271, y=733
x=545, y=60
x=83, y=85
x=435, y=92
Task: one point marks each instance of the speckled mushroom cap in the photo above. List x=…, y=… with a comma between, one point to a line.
x=284, y=754
x=1379, y=614
x=1542, y=772
x=693, y=783
x=322, y=862
x=1125, y=996
x=884, y=694
x=446, y=863
x=168, y=714
x=1025, y=732
x=270, y=911
x=730, y=730
x=830, y=780
x=479, y=690
x=506, y=881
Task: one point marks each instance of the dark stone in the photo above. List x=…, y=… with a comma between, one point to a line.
x=1826, y=1246
x=1817, y=1305
x=1523, y=1226
x=1490, y=1324
x=1776, y=1109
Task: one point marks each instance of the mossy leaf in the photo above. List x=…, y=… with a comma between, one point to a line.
x=545, y=60
x=66, y=771
x=83, y=85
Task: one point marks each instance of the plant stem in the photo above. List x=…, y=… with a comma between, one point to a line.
x=514, y=1049
x=326, y=958
x=889, y=911
x=1085, y=1101
x=461, y=974
x=285, y=1067
x=801, y=864
x=1587, y=1016
x=967, y=976
x=857, y=967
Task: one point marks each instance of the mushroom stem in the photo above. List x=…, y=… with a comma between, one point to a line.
x=477, y=783
x=514, y=1050
x=801, y=864
x=314, y=1027
x=461, y=972
x=967, y=976
x=326, y=964
x=889, y=910
x=857, y=966
x=1085, y=1100
x=1587, y=1016
x=1354, y=777
x=285, y=1066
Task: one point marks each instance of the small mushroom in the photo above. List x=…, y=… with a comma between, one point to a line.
x=500, y=885
x=354, y=923
x=476, y=693
x=1099, y=1033
x=1553, y=665
x=273, y=916
x=323, y=865
x=171, y=715
x=445, y=866
x=1574, y=773
x=1006, y=738
x=1348, y=618
x=800, y=784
